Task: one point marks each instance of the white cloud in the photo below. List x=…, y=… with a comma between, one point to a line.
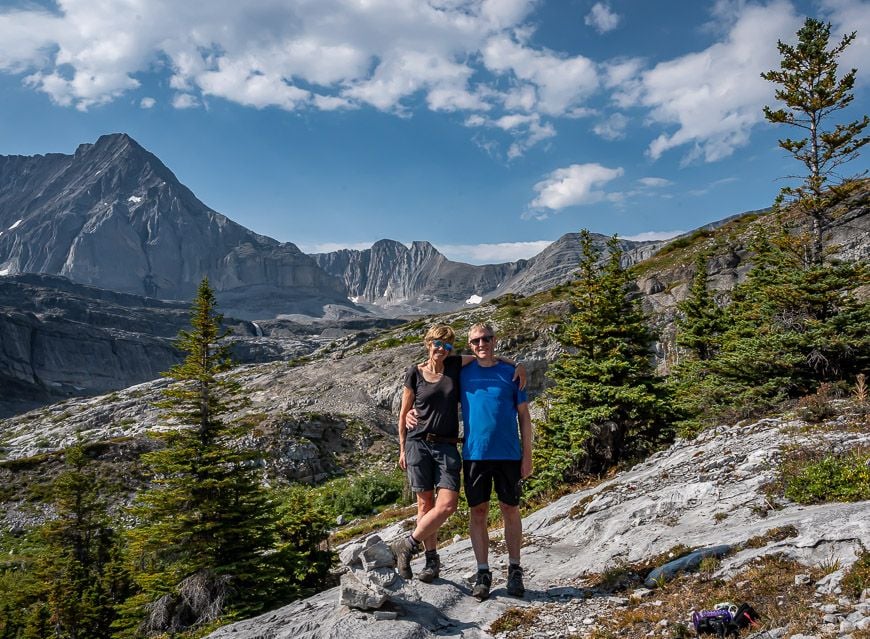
x=527, y=130
x=613, y=128
x=601, y=18
x=571, y=186
x=847, y=16
x=328, y=54
x=184, y=101
x=147, y=103
x=560, y=82
x=492, y=253
x=654, y=182
x=652, y=236
x=714, y=97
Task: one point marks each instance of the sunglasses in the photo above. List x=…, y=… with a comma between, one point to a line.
x=447, y=346
x=486, y=339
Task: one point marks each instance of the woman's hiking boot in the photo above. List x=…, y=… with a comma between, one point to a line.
x=482, y=584
x=403, y=549
x=431, y=570
x=515, y=585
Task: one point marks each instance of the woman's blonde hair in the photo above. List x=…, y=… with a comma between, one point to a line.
x=440, y=331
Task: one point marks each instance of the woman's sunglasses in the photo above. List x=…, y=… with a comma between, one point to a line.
x=486, y=339
x=447, y=346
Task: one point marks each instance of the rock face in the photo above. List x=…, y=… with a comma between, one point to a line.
x=60, y=339
x=391, y=275
x=112, y=215
x=398, y=279
x=670, y=499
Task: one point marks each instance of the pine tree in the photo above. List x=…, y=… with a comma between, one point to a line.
x=699, y=328
x=606, y=401
x=789, y=328
x=205, y=524
x=812, y=93
x=79, y=565
x=700, y=323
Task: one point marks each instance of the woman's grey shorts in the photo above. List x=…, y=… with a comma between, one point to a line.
x=432, y=465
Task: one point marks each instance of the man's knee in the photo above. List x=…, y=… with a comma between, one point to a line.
x=481, y=511
x=507, y=510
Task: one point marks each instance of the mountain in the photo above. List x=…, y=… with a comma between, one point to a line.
x=396, y=279
x=112, y=215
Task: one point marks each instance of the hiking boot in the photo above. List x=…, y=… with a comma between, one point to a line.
x=403, y=550
x=515, y=585
x=482, y=584
x=431, y=570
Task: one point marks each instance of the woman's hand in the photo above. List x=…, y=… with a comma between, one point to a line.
x=411, y=419
x=520, y=374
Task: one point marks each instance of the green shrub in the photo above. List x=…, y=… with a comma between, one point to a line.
x=832, y=478
x=858, y=577
x=361, y=494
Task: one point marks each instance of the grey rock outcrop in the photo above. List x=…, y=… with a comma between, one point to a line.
x=668, y=500
x=113, y=215
x=60, y=339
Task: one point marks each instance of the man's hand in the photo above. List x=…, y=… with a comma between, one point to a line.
x=411, y=419
x=526, y=467
x=402, y=463
x=520, y=374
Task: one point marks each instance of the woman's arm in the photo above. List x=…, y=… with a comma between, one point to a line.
x=519, y=373
x=408, y=397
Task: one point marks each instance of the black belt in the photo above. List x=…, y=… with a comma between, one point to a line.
x=437, y=439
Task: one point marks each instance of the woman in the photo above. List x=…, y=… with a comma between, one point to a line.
x=427, y=450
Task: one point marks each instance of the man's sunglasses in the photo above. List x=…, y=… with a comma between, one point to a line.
x=486, y=339
x=447, y=346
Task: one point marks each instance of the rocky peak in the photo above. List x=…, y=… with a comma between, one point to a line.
x=114, y=216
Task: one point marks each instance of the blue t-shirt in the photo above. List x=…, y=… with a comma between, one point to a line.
x=489, y=399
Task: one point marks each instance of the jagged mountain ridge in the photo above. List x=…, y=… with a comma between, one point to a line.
x=113, y=215
x=390, y=274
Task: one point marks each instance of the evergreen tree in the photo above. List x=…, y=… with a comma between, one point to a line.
x=205, y=524
x=789, y=328
x=700, y=322
x=606, y=402
x=812, y=93
x=699, y=328
x=79, y=566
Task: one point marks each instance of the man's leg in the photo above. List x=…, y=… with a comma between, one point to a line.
x=479, y=532
x=513, y=537
x=513, y=531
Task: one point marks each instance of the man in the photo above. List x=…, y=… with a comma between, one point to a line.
x=495, y=453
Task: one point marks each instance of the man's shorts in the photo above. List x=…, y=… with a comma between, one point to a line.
x=481, y=475
x=432, y=465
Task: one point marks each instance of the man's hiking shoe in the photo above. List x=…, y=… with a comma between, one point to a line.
x=431, y=570
x=403, y=550
x=515, y=585
x=482, y=584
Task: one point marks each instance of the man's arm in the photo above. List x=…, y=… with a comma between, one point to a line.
x=408, y=397
x=526, y=438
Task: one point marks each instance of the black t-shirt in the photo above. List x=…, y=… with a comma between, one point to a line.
x=437, y=403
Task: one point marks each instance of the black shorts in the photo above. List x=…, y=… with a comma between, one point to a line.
x=431, y=465
x=480, y=476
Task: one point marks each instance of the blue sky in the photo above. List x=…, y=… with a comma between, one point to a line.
x=487, y=127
